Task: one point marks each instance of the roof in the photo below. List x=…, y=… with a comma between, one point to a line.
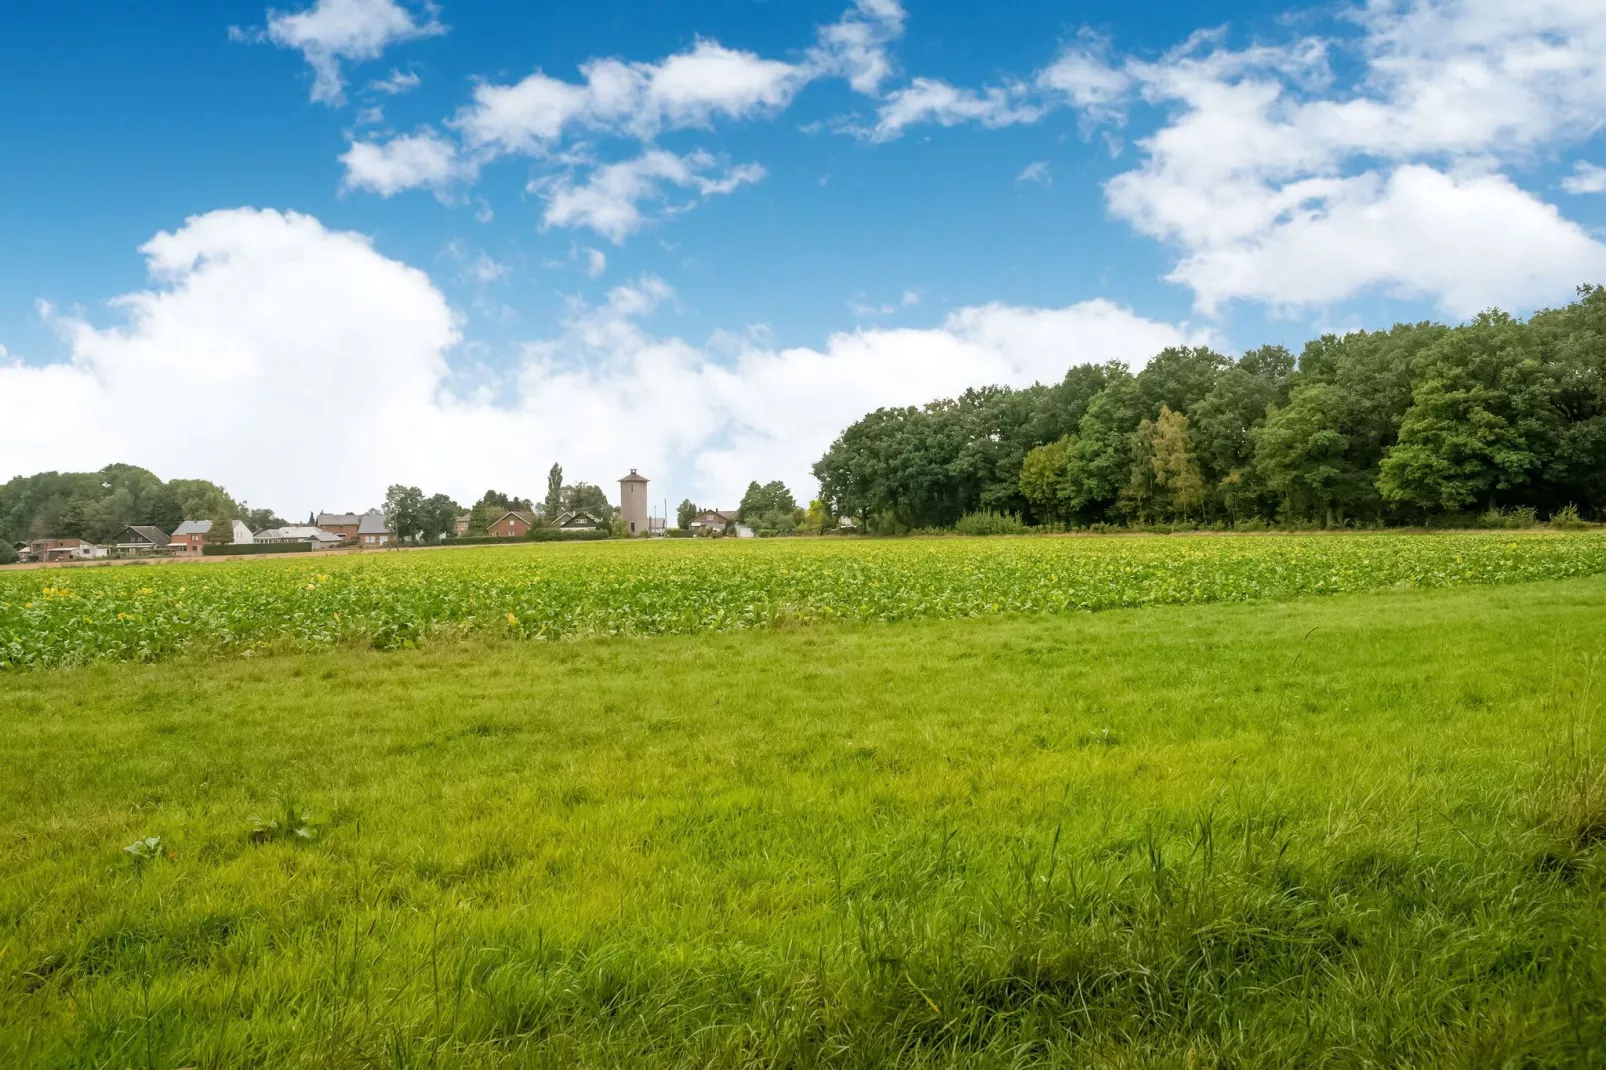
x=520, y=513
x=297, y=531
x=633, y=478
x=343, y=520
x=577, y=514
x=153, y=535
x=373, y=524
x=193, y=527
x=727, y=515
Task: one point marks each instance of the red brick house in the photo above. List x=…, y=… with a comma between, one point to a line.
x=345, y=525
x=512, y=525
x=191, y=536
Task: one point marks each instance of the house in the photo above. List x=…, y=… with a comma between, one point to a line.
x=190, y=536
x=374, y=532
x=343, y=524
x=513, y=524
x=242, y=534
x=60, y=550
x=713, y=520
x=307, y=533
x=580, y=520
x=139, y=539
x=460, y=525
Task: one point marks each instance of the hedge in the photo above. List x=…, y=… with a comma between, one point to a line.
x=240, y=549
x=539, y=535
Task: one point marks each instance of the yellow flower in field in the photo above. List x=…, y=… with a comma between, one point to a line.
x=27, y=605
x=511, y=619
x=146, y=590
x=312, y=586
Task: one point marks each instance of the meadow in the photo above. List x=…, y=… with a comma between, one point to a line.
x=400, y=599
x=1351, y=831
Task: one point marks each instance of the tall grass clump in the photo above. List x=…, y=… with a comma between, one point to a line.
x=988, y=522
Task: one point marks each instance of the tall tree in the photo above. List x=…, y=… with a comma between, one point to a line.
x=685, y=514
x=404, y=511
x=553, y=505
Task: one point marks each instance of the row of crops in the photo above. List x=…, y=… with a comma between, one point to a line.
x=77, y=616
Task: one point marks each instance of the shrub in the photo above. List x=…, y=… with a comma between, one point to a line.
x=241, y=549
x=1522, y=516
x=1250, y=523
x=8, y=553
x=1566, y=518
x=987, y=522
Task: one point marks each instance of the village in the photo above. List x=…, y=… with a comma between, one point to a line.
x=375, y=530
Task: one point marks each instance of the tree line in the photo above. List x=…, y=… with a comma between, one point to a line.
x=419, y=518
x=1421, y=423
x=96, y=506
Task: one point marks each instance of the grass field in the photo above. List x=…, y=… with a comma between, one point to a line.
x=389, y=600
x=1359, y=830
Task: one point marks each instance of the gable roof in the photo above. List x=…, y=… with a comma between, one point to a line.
x=572, y=515
x=303, y=532
x=633, y=478
x=373, y=524
x=344, y=520
x=520, y=513
x=153, y=535
x=193, y=527
x=726, y=515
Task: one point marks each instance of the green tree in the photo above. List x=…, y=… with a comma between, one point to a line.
x=481, y=517
x=767, y=501
x=685, y=514
x=817, y=519
x=1305, y=454
x=404, y=511
x=1480, y=426
x=1176, y=474
x=553, y=505
x=1045, y=480
x=438, y=517
x=586, y=498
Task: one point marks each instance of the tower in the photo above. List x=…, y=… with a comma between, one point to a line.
x=633, y=503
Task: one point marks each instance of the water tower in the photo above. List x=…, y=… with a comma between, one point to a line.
x=633, y=503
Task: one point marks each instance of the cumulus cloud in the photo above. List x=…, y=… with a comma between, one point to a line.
x=1282, y=181
x=609, y=200
x=334, y=30
x=280, y=344
x=689, y=89
x=855, y=46
x=406, y=162
x=596, y=263
x=1586, y=178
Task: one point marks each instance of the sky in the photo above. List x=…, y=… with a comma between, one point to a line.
x=310, y=251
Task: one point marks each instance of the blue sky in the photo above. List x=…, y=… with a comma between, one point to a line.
x=698, y=239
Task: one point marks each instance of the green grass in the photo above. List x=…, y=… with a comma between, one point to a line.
x=1360, y=830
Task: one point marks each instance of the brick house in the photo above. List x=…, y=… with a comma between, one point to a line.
x=190, y=536
x=343, y=524
x=713, y=520
x=138, y=539
x=513, y=524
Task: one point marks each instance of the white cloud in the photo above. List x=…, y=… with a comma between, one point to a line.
x=1037, y=171
x=278, y=343
x=596, y=263
x=855, y=46
x=335, y=30
x=398, y=83
x=1586, y=178
x=689, y=89
x=1280, y=180
x=608, y=202
x=402, y=163
x=370, y=117
x=928, y=100
x=911, y=298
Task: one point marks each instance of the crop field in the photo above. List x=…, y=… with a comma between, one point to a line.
x=388, y=600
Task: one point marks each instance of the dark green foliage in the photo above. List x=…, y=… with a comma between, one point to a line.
x=95, y=506
x=535, y=535
x=685, y=513
x=1419, y=424
x=247, y=549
